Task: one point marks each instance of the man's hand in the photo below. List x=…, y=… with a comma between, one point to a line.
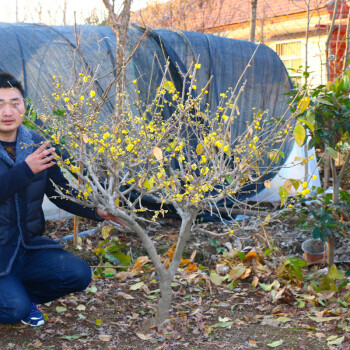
x=41, y=159
x=104, y=215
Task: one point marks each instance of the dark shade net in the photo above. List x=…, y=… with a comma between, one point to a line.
x=34, y=53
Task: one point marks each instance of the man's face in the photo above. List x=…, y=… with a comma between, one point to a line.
x=12, y=109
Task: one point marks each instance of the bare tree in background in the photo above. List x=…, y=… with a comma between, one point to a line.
x=335, y=11
x=64, y=12
x=120, y=25
x=347, y=38
x=254, y=4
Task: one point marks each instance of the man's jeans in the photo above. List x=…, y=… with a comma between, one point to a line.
x=40, y=276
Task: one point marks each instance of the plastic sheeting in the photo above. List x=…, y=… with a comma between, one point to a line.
x=34, y=53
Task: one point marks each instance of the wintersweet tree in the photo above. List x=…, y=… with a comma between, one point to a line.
x=187, y=163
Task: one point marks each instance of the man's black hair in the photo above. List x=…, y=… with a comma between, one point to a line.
x=7, y=80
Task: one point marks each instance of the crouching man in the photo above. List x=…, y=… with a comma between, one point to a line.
x=33, y=269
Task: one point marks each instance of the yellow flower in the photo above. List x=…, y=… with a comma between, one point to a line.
x=218, y=144
x=74, y=169
x=304, y=184
x=314, y=177
x=53, y=77
x=305, y=192
x=194, y=87
x=197, y=66
x=106, y=135
x=129, y=147
x=81, y=98
x=92, y=93
x=194, y=166
x=66, y=99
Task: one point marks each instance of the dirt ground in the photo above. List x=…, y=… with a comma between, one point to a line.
x=114, y=314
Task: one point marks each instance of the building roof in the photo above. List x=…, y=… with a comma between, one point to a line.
x=204, y=15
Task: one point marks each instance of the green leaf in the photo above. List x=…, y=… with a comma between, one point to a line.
x=241, y=255
x=301, y=303
x=229, y=179
x=335, y=274
x=227, y=325
x=283, y=193
x=275, y=343
x=98, y=322
x=215, y=278
x=336, y=341
x=323, y=319
x=92, y=289
x=136, y=286
x=123, y=258
x=332, y=152
x=299, y=134
x=61, y=309
x=298, y=262
x=73, y=337
x=325, y=102
x=109, y=272
x=268, y=287
x=308, y=124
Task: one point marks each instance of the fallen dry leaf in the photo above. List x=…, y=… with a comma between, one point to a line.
x=252, y=344
x=37, y=344
x=105, y=337
x=144, y=336
x=125, y=296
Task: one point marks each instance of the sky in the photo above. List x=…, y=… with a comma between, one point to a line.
x=51, y=11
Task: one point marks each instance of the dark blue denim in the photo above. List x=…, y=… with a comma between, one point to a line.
x=40, y=276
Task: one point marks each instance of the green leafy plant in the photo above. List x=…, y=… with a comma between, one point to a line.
x=334, y=281
x=219, y=249
x=324, y=113
x=110, y=252
x=292, y=269
x=327, y=217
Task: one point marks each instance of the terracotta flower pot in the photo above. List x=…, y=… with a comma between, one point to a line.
x=315, y=251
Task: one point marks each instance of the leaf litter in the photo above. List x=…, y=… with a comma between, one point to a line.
x=226, y=299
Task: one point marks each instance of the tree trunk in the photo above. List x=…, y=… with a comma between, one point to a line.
x=329, y=38
x=346, y=53
x=307, y=43
x=166, y=296
x=253, y=20
x=331, y=248
x=166, y=276
x=120, y=25
x=326, y=170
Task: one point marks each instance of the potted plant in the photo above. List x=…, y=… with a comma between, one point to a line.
x=324, y=224
x=325, y=117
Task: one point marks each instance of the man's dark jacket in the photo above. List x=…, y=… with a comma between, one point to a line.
x=21, y=195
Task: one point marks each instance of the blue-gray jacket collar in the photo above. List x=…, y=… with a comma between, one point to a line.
x=24, y=147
